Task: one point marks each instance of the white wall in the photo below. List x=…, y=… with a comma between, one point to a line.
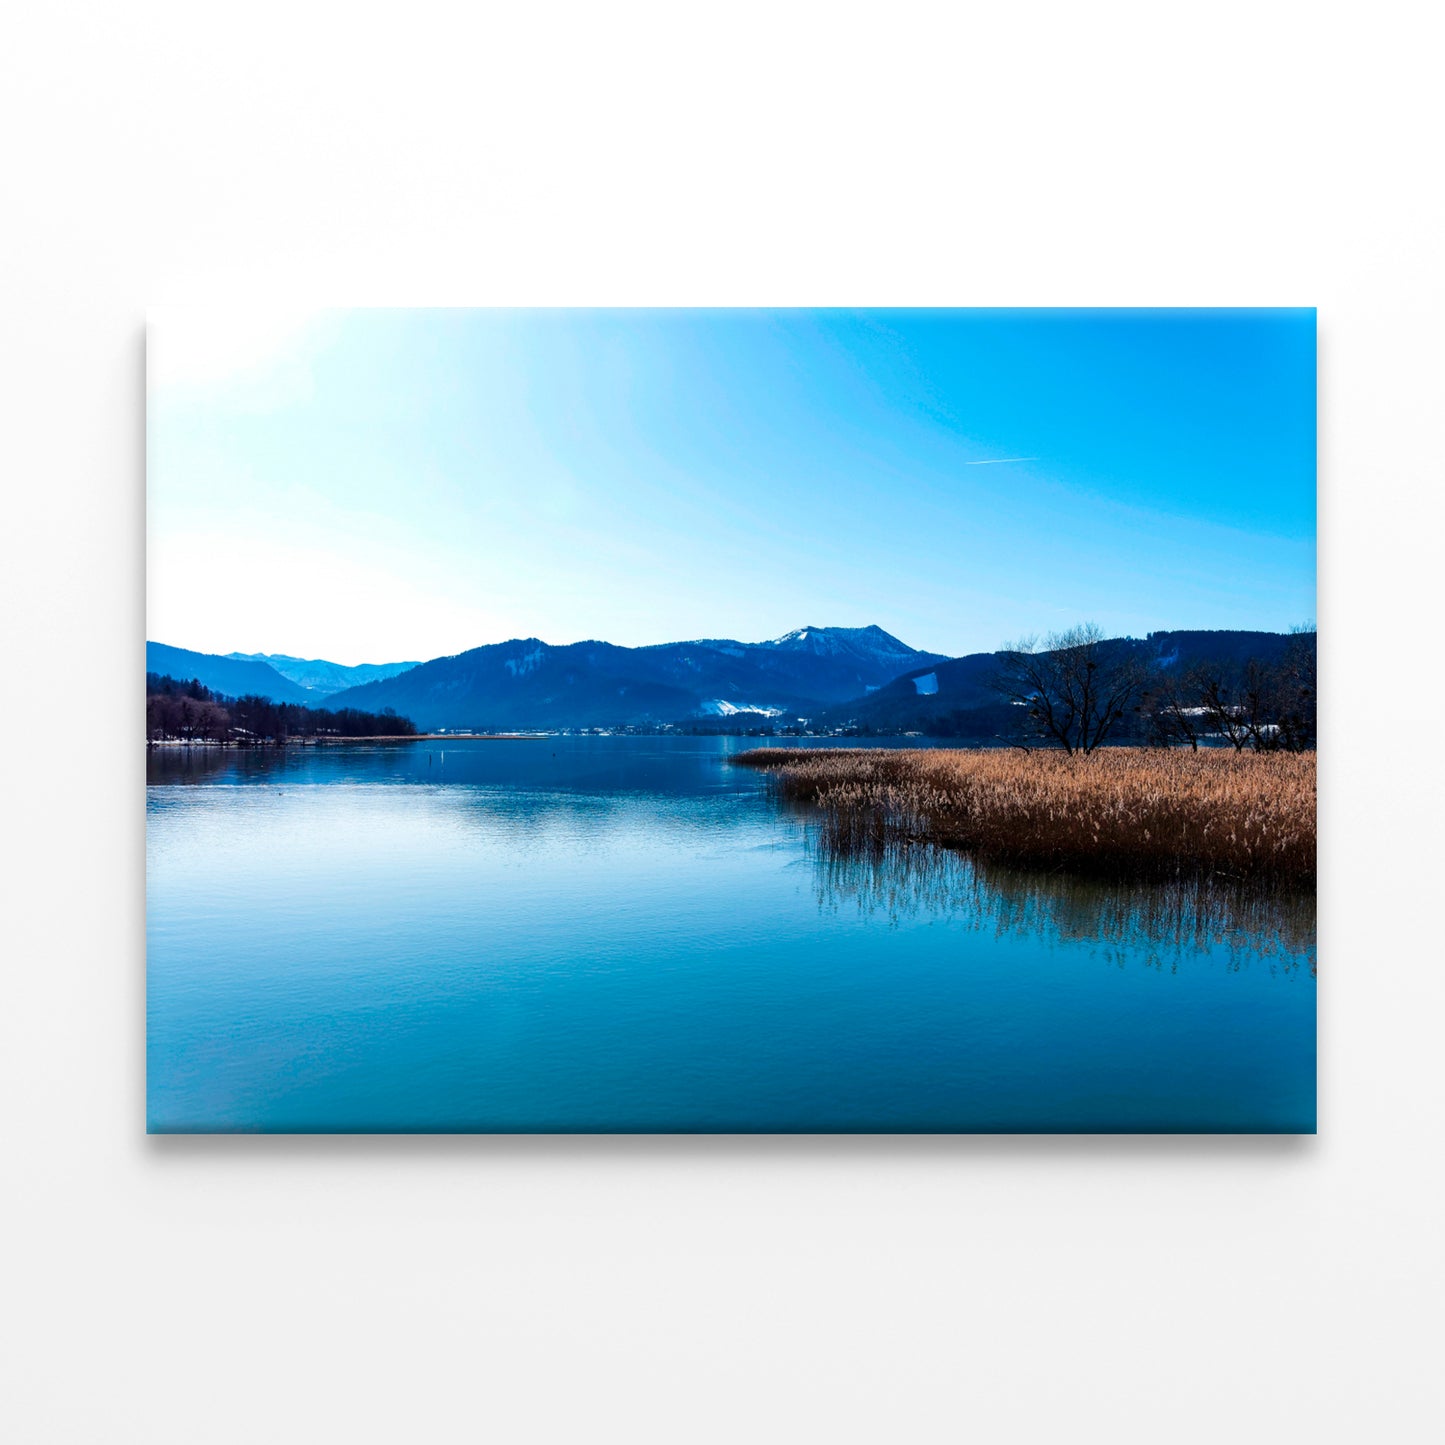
x=417, y=1289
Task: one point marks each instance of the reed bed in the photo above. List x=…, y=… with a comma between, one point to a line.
x=1128, y=813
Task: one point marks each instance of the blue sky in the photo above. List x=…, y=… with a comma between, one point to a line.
x=373, y=485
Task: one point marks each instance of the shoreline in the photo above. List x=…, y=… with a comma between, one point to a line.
x=315, y=742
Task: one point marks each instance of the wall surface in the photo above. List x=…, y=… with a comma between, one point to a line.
x=430, y=1289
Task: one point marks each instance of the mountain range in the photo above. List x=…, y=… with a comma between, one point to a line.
x=836, y=677
x=955, y=697
x=320, y=677
x=527, y=683
x=233, y=676
x=272, y=675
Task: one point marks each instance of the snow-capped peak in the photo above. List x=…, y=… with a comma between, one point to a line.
x=872, y=640
x=799, y=634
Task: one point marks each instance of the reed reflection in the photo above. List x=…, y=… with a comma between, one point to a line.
x=1160, y=925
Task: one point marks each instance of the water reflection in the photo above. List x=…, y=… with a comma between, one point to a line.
x=596, y=765
x=585, y=794
x=1160, y=925
x=570, y=800
x=625, y=933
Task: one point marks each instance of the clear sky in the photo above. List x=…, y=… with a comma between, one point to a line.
x=368, y=486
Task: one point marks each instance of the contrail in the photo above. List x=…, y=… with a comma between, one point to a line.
x=994, y=461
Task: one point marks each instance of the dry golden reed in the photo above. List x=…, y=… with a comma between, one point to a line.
x=1119, y=812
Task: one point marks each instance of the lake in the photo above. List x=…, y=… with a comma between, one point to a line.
x=626, y=934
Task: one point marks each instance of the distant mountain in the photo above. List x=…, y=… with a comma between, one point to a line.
x=836, y=677
x=320, y=677
x=867, y=647
x=227, y=675
x=954, y=698
x=527, y=683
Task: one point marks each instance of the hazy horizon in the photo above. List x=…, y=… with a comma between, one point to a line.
x=340, y=485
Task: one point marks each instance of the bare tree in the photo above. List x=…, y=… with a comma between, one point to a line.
x=1221, y=696
x=1267, y=706
x=1298, y=690
x=1170, y=702
x=1076, y=688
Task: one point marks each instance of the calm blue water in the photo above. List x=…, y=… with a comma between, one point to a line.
x=628, y=934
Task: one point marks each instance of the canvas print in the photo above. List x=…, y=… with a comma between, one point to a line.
x=725, y=720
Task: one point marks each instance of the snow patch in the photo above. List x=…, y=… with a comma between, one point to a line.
x=927, y=685
x=721, y=707
x=518, y=666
